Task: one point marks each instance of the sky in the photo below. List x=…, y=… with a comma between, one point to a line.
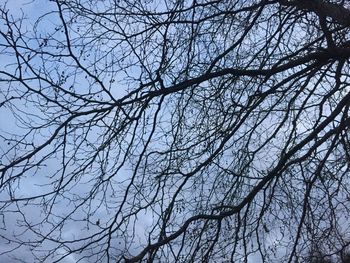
x=32, y=10
x=32, y=185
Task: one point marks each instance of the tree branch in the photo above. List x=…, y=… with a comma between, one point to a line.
x=338, y=13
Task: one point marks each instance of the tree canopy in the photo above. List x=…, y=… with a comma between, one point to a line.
x=174, y=130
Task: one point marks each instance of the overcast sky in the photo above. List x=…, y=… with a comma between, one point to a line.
x=32, y=10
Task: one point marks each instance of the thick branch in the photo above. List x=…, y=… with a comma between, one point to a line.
x=338, y=13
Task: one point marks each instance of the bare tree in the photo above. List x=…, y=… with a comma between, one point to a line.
x=174, y=130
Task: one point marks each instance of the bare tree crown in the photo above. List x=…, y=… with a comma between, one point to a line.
x=174, y=131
